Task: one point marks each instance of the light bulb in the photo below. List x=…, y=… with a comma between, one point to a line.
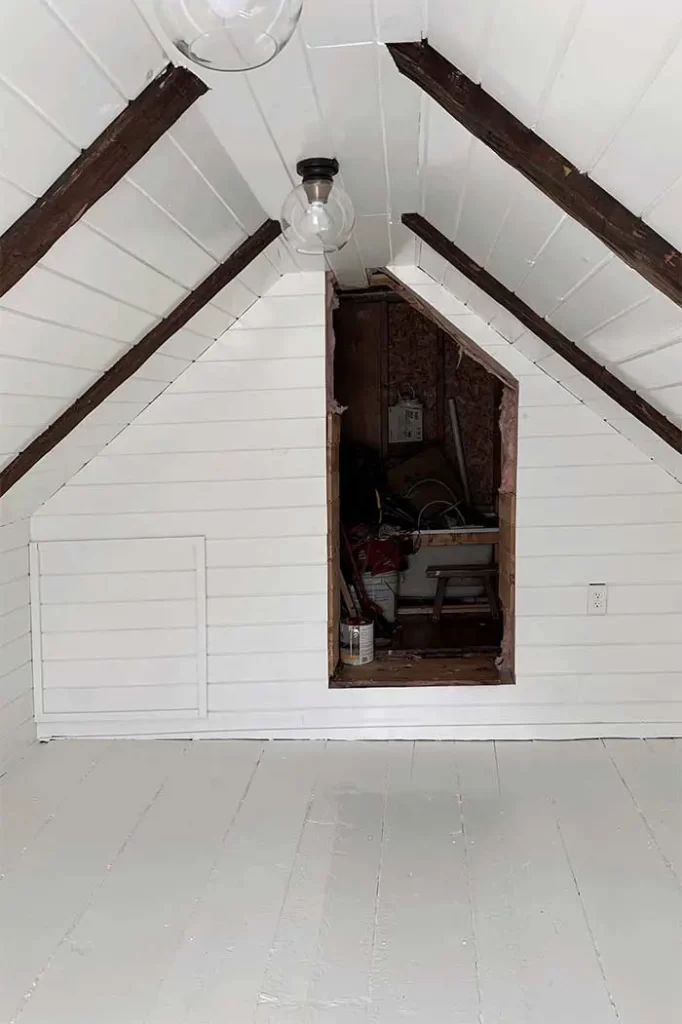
x=318, y=216
x=229, y=35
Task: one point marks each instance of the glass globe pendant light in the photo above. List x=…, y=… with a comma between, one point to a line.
x=229, y=35
x=318, y=216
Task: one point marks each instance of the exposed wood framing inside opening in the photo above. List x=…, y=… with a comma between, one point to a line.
x=628, y=399
x=637, y=244
x=465, y=671
x=101, y=166
x=137, y=356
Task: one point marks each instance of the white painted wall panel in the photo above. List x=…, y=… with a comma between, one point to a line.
x=592, y=507
x=16, y=727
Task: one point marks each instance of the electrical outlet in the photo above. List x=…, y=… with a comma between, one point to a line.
x=597, y=596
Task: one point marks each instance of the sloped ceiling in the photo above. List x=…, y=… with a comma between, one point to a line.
x=599, y=80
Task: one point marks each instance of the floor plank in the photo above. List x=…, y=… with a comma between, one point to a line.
x=139, y=914
x=49, y=889
x=299, y=882
x=321, y=958
x=652, y=774
x=530, y=932
x=631, y=901
x=218, y=968
x=32, y=794
x=424, y=965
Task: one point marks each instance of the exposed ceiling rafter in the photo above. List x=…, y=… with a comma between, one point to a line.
x=137, y=356
x=628, y=399
x=101, y=166
x=636, y=243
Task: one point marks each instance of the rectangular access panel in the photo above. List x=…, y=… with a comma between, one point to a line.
x=119, y=629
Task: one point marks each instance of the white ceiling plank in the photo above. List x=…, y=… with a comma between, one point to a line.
x=489, y=185
x=33, y=153
x=530, y=222
x=399, y=21
x=28, y=377
x=607, y=67
x=261, y=273
x=48, y=296
x=347, y=266
x=346, y=78
x=90, y=258
x=668, y=400
x=645, y=158
x=655, y=369
x=232, y=112
x=460, y=30
x=373, y=241
x=36, y=339
x=329, y=23
x=525, y=50
x=401, y=109
x=200, y=145
x=612, y=290
x=235, y=298
x=403, y=245
x=437, y=268
x=13, y=202
x=570, y=255
x=449, y=146
x=630, y=334
x=169, y=179
x=210, y=321
x=31, y=413
x=130, y=219
x=118, y=38
x=285, y=86
x=60, y=78
x=666, y=215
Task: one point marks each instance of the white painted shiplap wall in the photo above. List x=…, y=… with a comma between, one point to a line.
x=235, y=450
x=16, y=702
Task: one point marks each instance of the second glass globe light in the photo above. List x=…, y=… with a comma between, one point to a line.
x=318, y=216
x=229, y=35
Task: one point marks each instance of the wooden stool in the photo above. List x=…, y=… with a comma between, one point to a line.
x=485, y=574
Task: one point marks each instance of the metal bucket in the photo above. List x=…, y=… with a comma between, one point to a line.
x=357, y=642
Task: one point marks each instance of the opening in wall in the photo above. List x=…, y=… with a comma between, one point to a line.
x=422, y=454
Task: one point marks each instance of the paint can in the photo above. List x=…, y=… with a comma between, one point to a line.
x=357, y=642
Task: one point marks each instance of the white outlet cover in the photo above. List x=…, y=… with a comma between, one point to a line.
x=597, y=598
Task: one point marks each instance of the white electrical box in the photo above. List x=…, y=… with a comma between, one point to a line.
x=405, y=421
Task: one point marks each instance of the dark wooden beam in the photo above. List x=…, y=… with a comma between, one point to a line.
x=97, y=170
x=137, y=356
x=630, y=400
x=628, y=236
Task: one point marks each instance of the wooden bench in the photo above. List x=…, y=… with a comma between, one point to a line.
x=464, y=574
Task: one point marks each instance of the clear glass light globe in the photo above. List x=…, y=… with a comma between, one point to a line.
x=314, y=224
x=229, y=35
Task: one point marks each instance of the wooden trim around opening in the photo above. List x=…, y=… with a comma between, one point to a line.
x=477, y=670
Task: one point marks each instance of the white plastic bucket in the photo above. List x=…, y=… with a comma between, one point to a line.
x=357, y=642
x=382, y=589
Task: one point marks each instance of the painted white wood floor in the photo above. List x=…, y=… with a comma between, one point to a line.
x=338, y=883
